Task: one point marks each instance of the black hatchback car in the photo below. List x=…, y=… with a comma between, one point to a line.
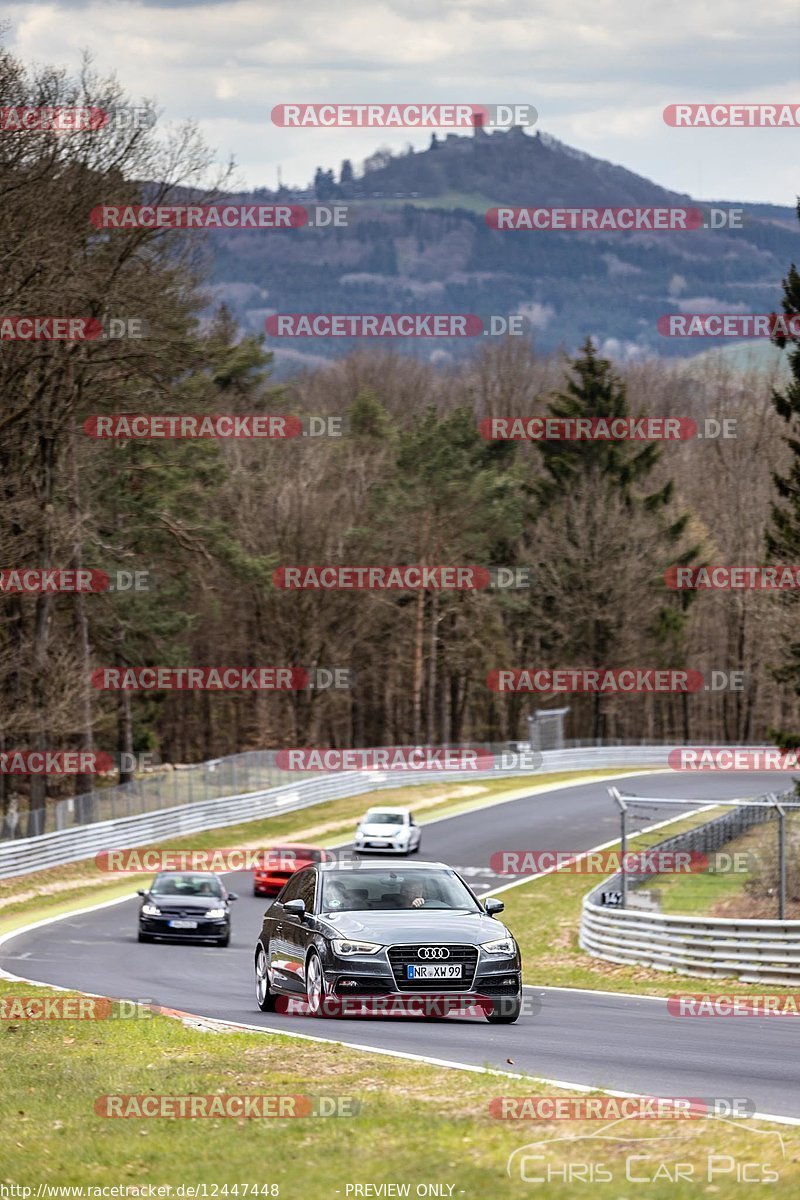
x=368, y=929
x=186, y=906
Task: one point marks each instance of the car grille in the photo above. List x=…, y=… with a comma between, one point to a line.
x=190, y=914
x=401, y=956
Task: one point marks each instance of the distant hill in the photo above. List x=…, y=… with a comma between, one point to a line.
x=419, y=243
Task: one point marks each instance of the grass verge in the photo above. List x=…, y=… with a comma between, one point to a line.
x=750, y=890
x=416, y=1125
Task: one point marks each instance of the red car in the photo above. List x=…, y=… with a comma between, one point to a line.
x=279, y=863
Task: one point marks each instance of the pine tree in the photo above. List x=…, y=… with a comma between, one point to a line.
x=783, y=532
x=606, y=540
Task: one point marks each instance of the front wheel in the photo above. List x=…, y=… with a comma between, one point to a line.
x=224, y=941
x=145, y=937
x=505, y=1010
x=265, y=999
x=316, y=991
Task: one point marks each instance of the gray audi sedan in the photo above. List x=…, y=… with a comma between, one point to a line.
x=367, y=930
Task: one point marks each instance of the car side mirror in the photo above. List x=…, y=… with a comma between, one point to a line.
x=296, y=908
x=493, y=906
x=141, y=892
x=233, y=895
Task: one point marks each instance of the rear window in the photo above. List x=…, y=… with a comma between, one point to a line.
x=287, y=855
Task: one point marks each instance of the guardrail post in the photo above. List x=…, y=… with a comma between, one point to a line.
x=616, y=796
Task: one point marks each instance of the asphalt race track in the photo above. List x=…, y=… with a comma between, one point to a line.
x=616, y=1042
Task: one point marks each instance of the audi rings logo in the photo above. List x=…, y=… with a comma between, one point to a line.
x=433, y=952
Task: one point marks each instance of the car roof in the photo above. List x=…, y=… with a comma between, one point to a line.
x=293, y=846
x=395, y=808
x=375, y=865
x=193, y=874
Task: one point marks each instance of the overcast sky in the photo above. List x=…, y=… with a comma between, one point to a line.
x=599, y=72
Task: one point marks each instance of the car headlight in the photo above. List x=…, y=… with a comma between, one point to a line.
x=344, y=948
x=212, y=913
x=150, y=910
x=505, y=945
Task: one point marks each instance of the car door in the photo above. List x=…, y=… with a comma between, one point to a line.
x=298, y=931
x=278, y=953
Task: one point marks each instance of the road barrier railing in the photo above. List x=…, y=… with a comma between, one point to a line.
x=753, y=950
x=70, y=844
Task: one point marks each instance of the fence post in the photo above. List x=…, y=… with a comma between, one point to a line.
x=781, y=856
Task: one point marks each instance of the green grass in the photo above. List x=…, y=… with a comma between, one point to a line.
x=24, y=898
x=416, y=1124
x=696, y=894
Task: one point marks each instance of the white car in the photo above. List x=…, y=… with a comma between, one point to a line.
x=389, y=831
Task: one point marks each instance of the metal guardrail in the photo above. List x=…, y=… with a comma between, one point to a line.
x=22, y=855
x=193, y=783
x=752, y=950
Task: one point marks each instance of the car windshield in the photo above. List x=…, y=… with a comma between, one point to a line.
x=356, y=891
x=384, y=818
x=186, y=885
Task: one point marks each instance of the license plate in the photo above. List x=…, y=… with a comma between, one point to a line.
x=183, y=924
x=376, y=844
x=434, y=970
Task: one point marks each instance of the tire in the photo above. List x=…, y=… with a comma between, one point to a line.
x=265, y=999
x=316, y=993
x=505, y=1010
x=224, y=941
x=145, y=937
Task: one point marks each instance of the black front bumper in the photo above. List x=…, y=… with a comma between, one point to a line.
x=160, y=927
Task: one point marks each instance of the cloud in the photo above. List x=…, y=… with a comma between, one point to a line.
x=599, y=73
